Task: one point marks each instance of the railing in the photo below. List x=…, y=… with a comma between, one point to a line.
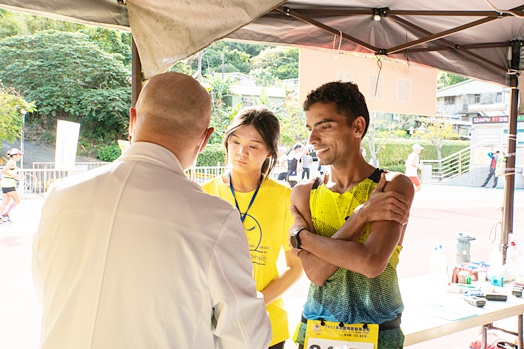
x=462, y=162
x=36, y=181
x=450, y=166
x=204, y=173
x=85, y=166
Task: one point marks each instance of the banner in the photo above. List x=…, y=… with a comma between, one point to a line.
x=66, y=144
x=388, y=86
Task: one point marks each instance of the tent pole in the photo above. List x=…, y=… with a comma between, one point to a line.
x=509, y=171
x=136, y=73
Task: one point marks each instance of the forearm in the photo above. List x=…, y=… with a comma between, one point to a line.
x=368, y=258
x=278, y=286
x=353, y=226
x=317, y=270
x=330, y=250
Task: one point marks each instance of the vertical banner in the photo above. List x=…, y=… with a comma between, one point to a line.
x=66, y=143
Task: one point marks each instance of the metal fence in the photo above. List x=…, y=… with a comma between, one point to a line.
x=36, y=181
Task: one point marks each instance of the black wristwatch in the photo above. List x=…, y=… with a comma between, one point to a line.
x=294, y=239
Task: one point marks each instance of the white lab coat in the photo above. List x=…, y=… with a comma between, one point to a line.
x=135, y=255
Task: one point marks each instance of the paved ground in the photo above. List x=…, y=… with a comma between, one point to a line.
x=438, y=214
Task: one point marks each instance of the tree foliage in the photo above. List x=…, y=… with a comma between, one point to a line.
x=436, y=130
x=12, y=109
x=278, y=61
x=445, y=79
x=69, y=77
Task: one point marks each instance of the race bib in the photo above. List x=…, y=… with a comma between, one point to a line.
x=331, y=335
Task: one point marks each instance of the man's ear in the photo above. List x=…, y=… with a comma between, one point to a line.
x=207, y=134
x=360, y=125
x=132, y=122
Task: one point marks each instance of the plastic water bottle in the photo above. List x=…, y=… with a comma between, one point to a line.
x=438, y=268
x=496, y=268
x=512, y=260
x=434, y=263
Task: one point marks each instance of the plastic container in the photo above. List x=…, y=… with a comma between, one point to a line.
x=438, y=267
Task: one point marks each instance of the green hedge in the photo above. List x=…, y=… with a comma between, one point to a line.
x=109, y=153
x=212, y=154
x=394, y=152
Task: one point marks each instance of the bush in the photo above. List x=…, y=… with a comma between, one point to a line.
x=394, y=152
x=213, y=154
x=109, y=152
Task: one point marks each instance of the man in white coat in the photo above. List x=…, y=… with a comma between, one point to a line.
x=135, y=255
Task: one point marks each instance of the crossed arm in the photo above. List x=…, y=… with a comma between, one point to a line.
x=387, y=210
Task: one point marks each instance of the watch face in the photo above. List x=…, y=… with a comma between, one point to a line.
x=293, y=241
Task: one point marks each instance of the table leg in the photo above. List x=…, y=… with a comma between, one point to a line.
x=484, y=336
x=520, y=332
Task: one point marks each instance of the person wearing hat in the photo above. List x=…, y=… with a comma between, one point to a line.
x=413, y=165
x=10, y=196
x=494, y=163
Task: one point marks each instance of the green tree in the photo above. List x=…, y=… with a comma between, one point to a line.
x=71, y=78
x=279, y=61
x=12, y=109
x=436, y=130
x=109, y=40
x=445, y=79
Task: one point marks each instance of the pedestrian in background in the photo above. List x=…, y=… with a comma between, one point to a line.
x=10, y=178
x=293, y=159
x=281, y=167
x=492, y=169
x=306, y=160
x=135, y=255
x=413, y=165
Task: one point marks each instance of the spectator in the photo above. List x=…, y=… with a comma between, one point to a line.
x=413, y=165
x=307, y=161
x=292, y=168
x=494, y=157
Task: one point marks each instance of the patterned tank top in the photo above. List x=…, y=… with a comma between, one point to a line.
x=349, y=296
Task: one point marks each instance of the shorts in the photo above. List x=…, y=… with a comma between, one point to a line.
x=415, y=181
x=6, y=190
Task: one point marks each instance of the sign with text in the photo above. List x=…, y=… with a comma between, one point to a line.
x=388, y=86
x=502, y=119
x=66, y=143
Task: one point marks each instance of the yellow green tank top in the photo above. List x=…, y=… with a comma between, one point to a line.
x=349, y=296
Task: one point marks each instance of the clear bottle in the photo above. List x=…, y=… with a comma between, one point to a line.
x=438, y=267
x=495, y=264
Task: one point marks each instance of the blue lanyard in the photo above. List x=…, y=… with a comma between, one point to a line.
x=243, y=217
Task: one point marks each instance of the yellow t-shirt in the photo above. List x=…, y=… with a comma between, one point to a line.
x=267, y=223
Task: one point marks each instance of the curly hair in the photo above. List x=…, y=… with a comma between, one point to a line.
x=349, y=101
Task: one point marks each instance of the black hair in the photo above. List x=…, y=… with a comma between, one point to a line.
x=267, y=125
x=348, y=100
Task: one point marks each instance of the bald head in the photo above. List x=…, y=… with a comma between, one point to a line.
x=173, y=103
x=173, y=111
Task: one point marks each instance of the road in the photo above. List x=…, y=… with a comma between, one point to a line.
x=438, y=214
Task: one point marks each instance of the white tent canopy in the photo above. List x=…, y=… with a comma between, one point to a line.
x=480, y=39
x=469, y=37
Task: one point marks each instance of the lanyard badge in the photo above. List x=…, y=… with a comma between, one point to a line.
x=243, y=216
